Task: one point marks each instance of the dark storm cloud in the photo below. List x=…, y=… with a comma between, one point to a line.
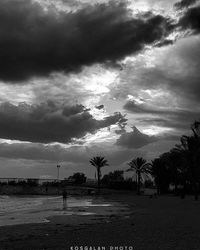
x=191, y=19
x=138, y=108
x=37, y=151
x=165, y=43
x=135, y=139
x=36, y=43
x=73, y=110
x=175, y=69
x=145, y=109
x=100, y=107
x=72, y=159
x=177, y=118
x=47, y=123
x=185, y=3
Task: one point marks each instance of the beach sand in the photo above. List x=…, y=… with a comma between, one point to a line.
x=164, y=223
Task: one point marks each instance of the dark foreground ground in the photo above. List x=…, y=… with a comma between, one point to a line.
x=164, y=223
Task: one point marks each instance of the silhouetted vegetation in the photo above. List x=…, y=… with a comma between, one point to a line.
x=23, y=183
x=51, y=184
x=180, y=166
x=141, y=168
x=116, y=180
x=117, y=176
x=78, y=178
x=98, y=162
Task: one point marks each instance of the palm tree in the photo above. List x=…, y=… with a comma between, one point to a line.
x=140, y=167
x=98, y=162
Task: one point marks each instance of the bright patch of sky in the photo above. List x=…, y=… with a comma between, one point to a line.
x=102, y=136
x=156, y=6
x=155, y=130
x=15, y=93
x=137, y=6
x=11, y=141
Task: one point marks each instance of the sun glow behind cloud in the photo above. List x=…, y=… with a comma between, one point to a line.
x=7, y=141
x=155, y=130
x=159, y=7
x=99, y=83
x=144, y=78
x=102, y=136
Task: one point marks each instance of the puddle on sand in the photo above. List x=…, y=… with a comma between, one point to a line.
x=36, y=209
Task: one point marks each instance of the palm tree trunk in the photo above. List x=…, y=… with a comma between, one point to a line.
x=138, y=184
x=98, y=179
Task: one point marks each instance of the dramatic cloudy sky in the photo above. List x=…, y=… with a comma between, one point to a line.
x=80, y=78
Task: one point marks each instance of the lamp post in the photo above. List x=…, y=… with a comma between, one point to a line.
x=58, y=168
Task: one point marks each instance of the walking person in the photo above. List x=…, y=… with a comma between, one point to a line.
x=64, y=195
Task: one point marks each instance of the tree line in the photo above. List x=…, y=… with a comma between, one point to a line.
x=179, y=167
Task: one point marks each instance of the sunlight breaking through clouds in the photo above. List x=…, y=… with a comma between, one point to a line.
x=155, y=130
x=98, y=83
x=102, y=136
x=90, y=61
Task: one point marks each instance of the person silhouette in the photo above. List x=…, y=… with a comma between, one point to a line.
x=64, y=195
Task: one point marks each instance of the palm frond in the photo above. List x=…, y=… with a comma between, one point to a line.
x=99, y=161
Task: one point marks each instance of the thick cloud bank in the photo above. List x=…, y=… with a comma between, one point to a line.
x=174, y=119
x=48, y=123
x=34, y=42
x=191, y=19
x=185, y=3
x=135, y=139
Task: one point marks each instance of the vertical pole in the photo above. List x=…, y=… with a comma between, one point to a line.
x=58, y=167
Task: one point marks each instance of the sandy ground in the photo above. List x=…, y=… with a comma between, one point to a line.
x=145, y=224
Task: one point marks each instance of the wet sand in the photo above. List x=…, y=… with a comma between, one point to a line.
x=37, y=209
x=145, y=224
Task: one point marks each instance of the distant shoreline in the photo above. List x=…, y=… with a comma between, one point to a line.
x=41, y=190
